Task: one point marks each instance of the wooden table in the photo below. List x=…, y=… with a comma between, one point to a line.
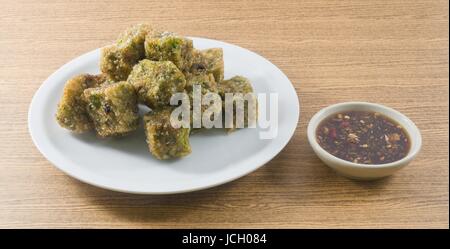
x=390, y=52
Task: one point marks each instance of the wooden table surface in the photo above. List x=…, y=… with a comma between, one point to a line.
x=390, y=52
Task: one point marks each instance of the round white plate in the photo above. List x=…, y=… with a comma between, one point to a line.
x=124, y=164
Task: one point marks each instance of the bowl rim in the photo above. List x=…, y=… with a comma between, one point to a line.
x=412, y=131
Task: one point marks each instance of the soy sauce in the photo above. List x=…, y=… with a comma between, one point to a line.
x=363, y=137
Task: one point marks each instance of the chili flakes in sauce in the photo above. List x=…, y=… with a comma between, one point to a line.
x=363, y=137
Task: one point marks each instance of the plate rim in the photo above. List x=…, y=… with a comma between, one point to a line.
x=258, y=161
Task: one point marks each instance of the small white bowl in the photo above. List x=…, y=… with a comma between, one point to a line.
x=364, y=171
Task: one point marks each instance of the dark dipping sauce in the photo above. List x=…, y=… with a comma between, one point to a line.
x=363, y=137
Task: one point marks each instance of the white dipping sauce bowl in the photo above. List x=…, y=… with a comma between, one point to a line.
x=364, y=171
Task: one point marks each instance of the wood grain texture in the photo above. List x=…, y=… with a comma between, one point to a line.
x=390, y=52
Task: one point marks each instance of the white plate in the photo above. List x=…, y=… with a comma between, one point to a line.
x=125, y=164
